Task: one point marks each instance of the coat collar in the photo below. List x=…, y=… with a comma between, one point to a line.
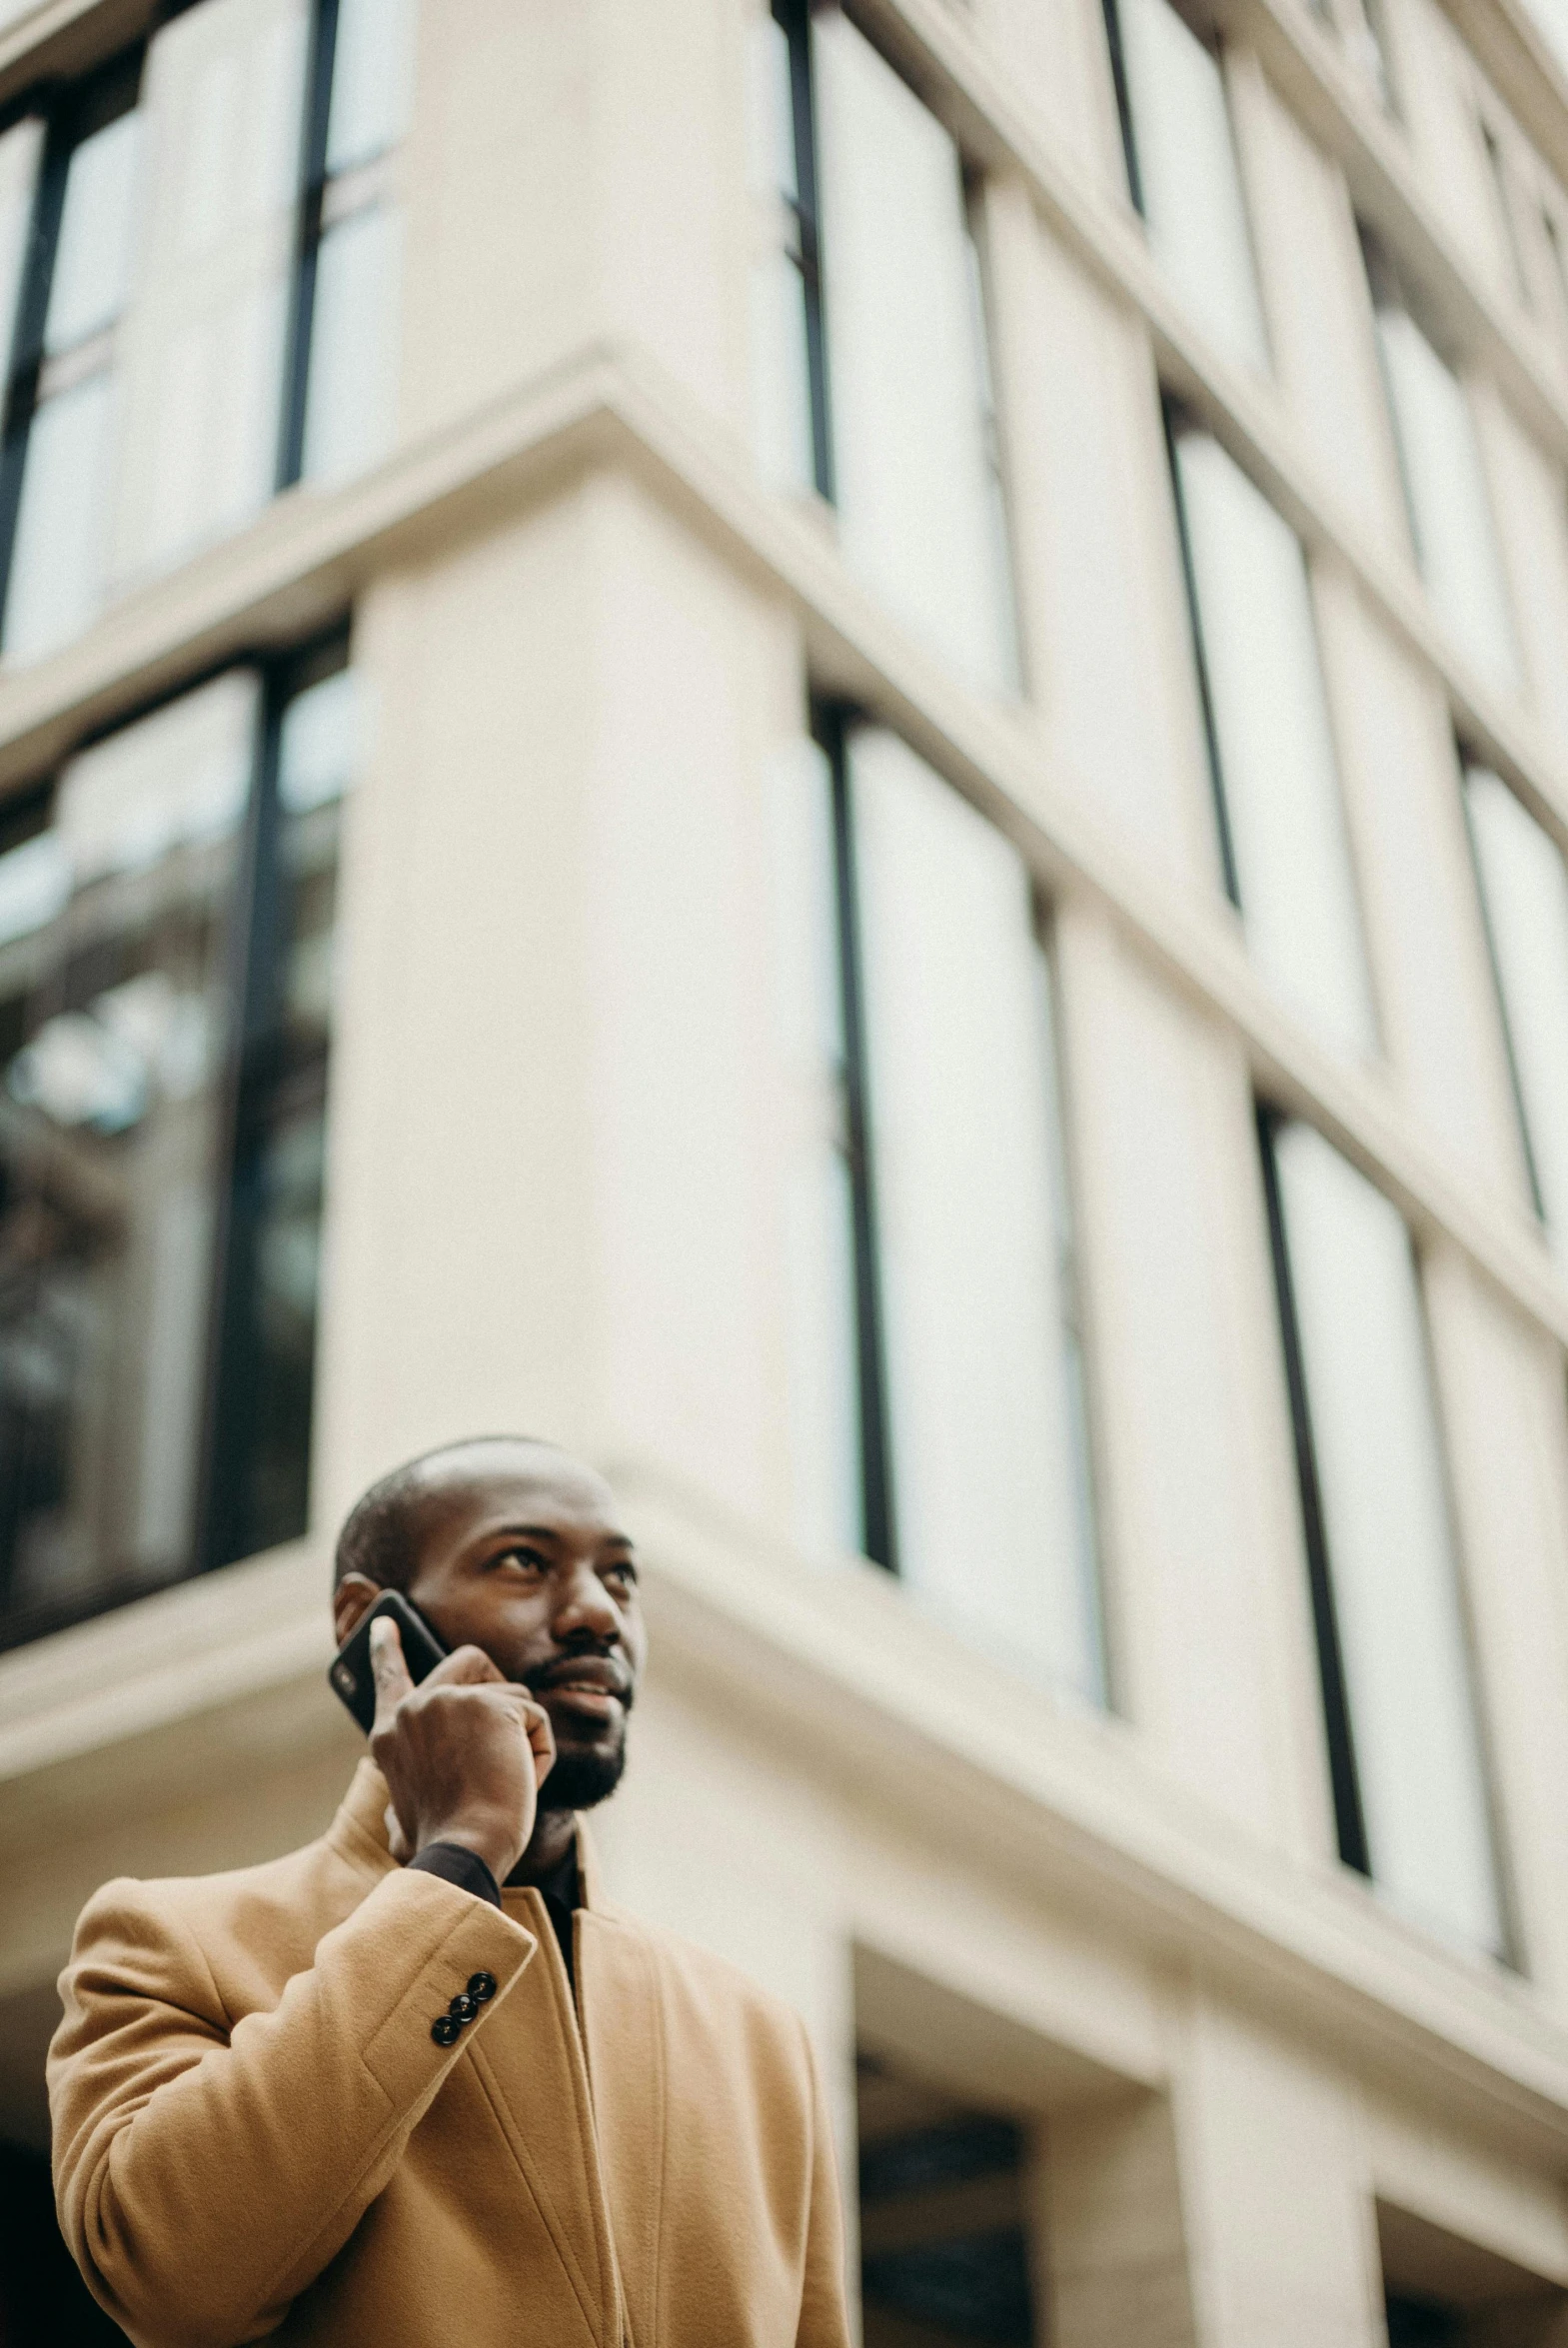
x=359, y=1834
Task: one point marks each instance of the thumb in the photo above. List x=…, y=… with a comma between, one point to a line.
x=388, y=1669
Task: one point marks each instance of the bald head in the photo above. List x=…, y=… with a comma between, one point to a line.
x=382, y=1533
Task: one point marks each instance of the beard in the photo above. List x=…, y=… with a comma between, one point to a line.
x=580, y=1780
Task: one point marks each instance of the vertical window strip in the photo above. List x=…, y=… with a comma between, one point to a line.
x=875, y=1450
x=1183, y=171
x=1349, y=1824
x=1273, y=768
x=1523, y=882
x=257, y=1452
x=796, y=188
x=1400, y=1697
x=1446, y=497
x=1504, y=199
x=53, y=494
x=961, y=1221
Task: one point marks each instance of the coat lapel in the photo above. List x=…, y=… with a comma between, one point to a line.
x=624, y=2027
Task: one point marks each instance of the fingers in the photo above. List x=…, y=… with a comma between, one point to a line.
x=541, y=1737
x=388, y=1669
x=464, y=1666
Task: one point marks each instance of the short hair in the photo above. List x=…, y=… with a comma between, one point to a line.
x=381, y=1533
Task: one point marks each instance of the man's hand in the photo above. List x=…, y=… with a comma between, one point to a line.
x=463, y=1754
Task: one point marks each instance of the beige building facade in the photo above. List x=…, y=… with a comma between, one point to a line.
x=826, y=751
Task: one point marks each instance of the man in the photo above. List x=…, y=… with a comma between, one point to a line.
x=420, y=2082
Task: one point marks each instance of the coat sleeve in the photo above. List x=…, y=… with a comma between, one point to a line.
x=205, y=2172
x=824, y=2321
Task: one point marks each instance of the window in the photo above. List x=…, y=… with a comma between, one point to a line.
x=1506, y=202
x=873, y=377
x=1271, y=753
x=1444, y=484
x=945, y=2216
x=165, y=921
x=1182, y=170
x=348, y=286
x=1524, y=891
x=944, y=1429
x=191, y=331
x=1404, y=1746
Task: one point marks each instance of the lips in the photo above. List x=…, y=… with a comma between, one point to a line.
x=588, y=1684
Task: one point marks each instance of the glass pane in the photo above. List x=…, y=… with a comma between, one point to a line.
x=1278, y=774
x=1189, y=180
x=906, y=373
x=351, y=406
x=1525, y=889
x=371, y=80
x=59, y=557
x=321, y=743
x=92, y=268
x=113, y=1017
x=780, y=381
x=771, y=111
x=20, y=148
x=201, y=354
x=281, y=1185
x=971, y=1228
x=267, y=1383
x=1450, y=512
x=823, y=1398
x=1391, y=1562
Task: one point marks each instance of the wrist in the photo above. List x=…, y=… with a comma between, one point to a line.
x=488, y=1837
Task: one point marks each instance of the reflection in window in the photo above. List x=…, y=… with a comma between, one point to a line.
x=931, y=1178
x=1524, y=889
x=1183, y=169
x=1272, y=752
x=873, y=371
x=1405, y=1751
x=165, y=929
x=1445, y=487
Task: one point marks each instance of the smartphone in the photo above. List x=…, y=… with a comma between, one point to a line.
x=351, y=1676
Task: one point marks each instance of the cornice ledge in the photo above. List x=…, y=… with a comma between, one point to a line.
x=842, y=1663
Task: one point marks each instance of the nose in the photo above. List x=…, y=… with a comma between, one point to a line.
x=586, y=1609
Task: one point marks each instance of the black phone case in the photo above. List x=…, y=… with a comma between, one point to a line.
x=350, y=1675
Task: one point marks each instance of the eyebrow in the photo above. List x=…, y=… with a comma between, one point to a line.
x=547, y=1532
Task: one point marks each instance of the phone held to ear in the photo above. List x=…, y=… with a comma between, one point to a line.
x=351, y=1676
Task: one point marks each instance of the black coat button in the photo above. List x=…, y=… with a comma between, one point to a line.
x=444, y=2030
x=482, y=1987
x=463, y=2007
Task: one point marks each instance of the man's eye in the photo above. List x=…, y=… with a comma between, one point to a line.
x=625, y=1574
x=530, y=1560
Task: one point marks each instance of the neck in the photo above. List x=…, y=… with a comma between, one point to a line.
x=553, y=1836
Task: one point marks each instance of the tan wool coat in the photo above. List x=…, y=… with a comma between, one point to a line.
x=256, y=2135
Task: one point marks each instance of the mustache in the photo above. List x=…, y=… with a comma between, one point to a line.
x=597, y=1665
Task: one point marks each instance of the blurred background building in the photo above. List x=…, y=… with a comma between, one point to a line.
x=827, y=750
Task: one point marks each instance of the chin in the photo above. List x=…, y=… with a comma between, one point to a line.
x=580, y=1779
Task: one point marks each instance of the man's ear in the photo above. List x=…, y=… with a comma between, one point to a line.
x=355, y=1595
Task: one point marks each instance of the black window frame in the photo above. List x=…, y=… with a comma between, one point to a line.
x=1338, y=1729
x=794, y=17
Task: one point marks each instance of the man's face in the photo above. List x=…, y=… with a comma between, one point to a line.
x=519, y=1555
